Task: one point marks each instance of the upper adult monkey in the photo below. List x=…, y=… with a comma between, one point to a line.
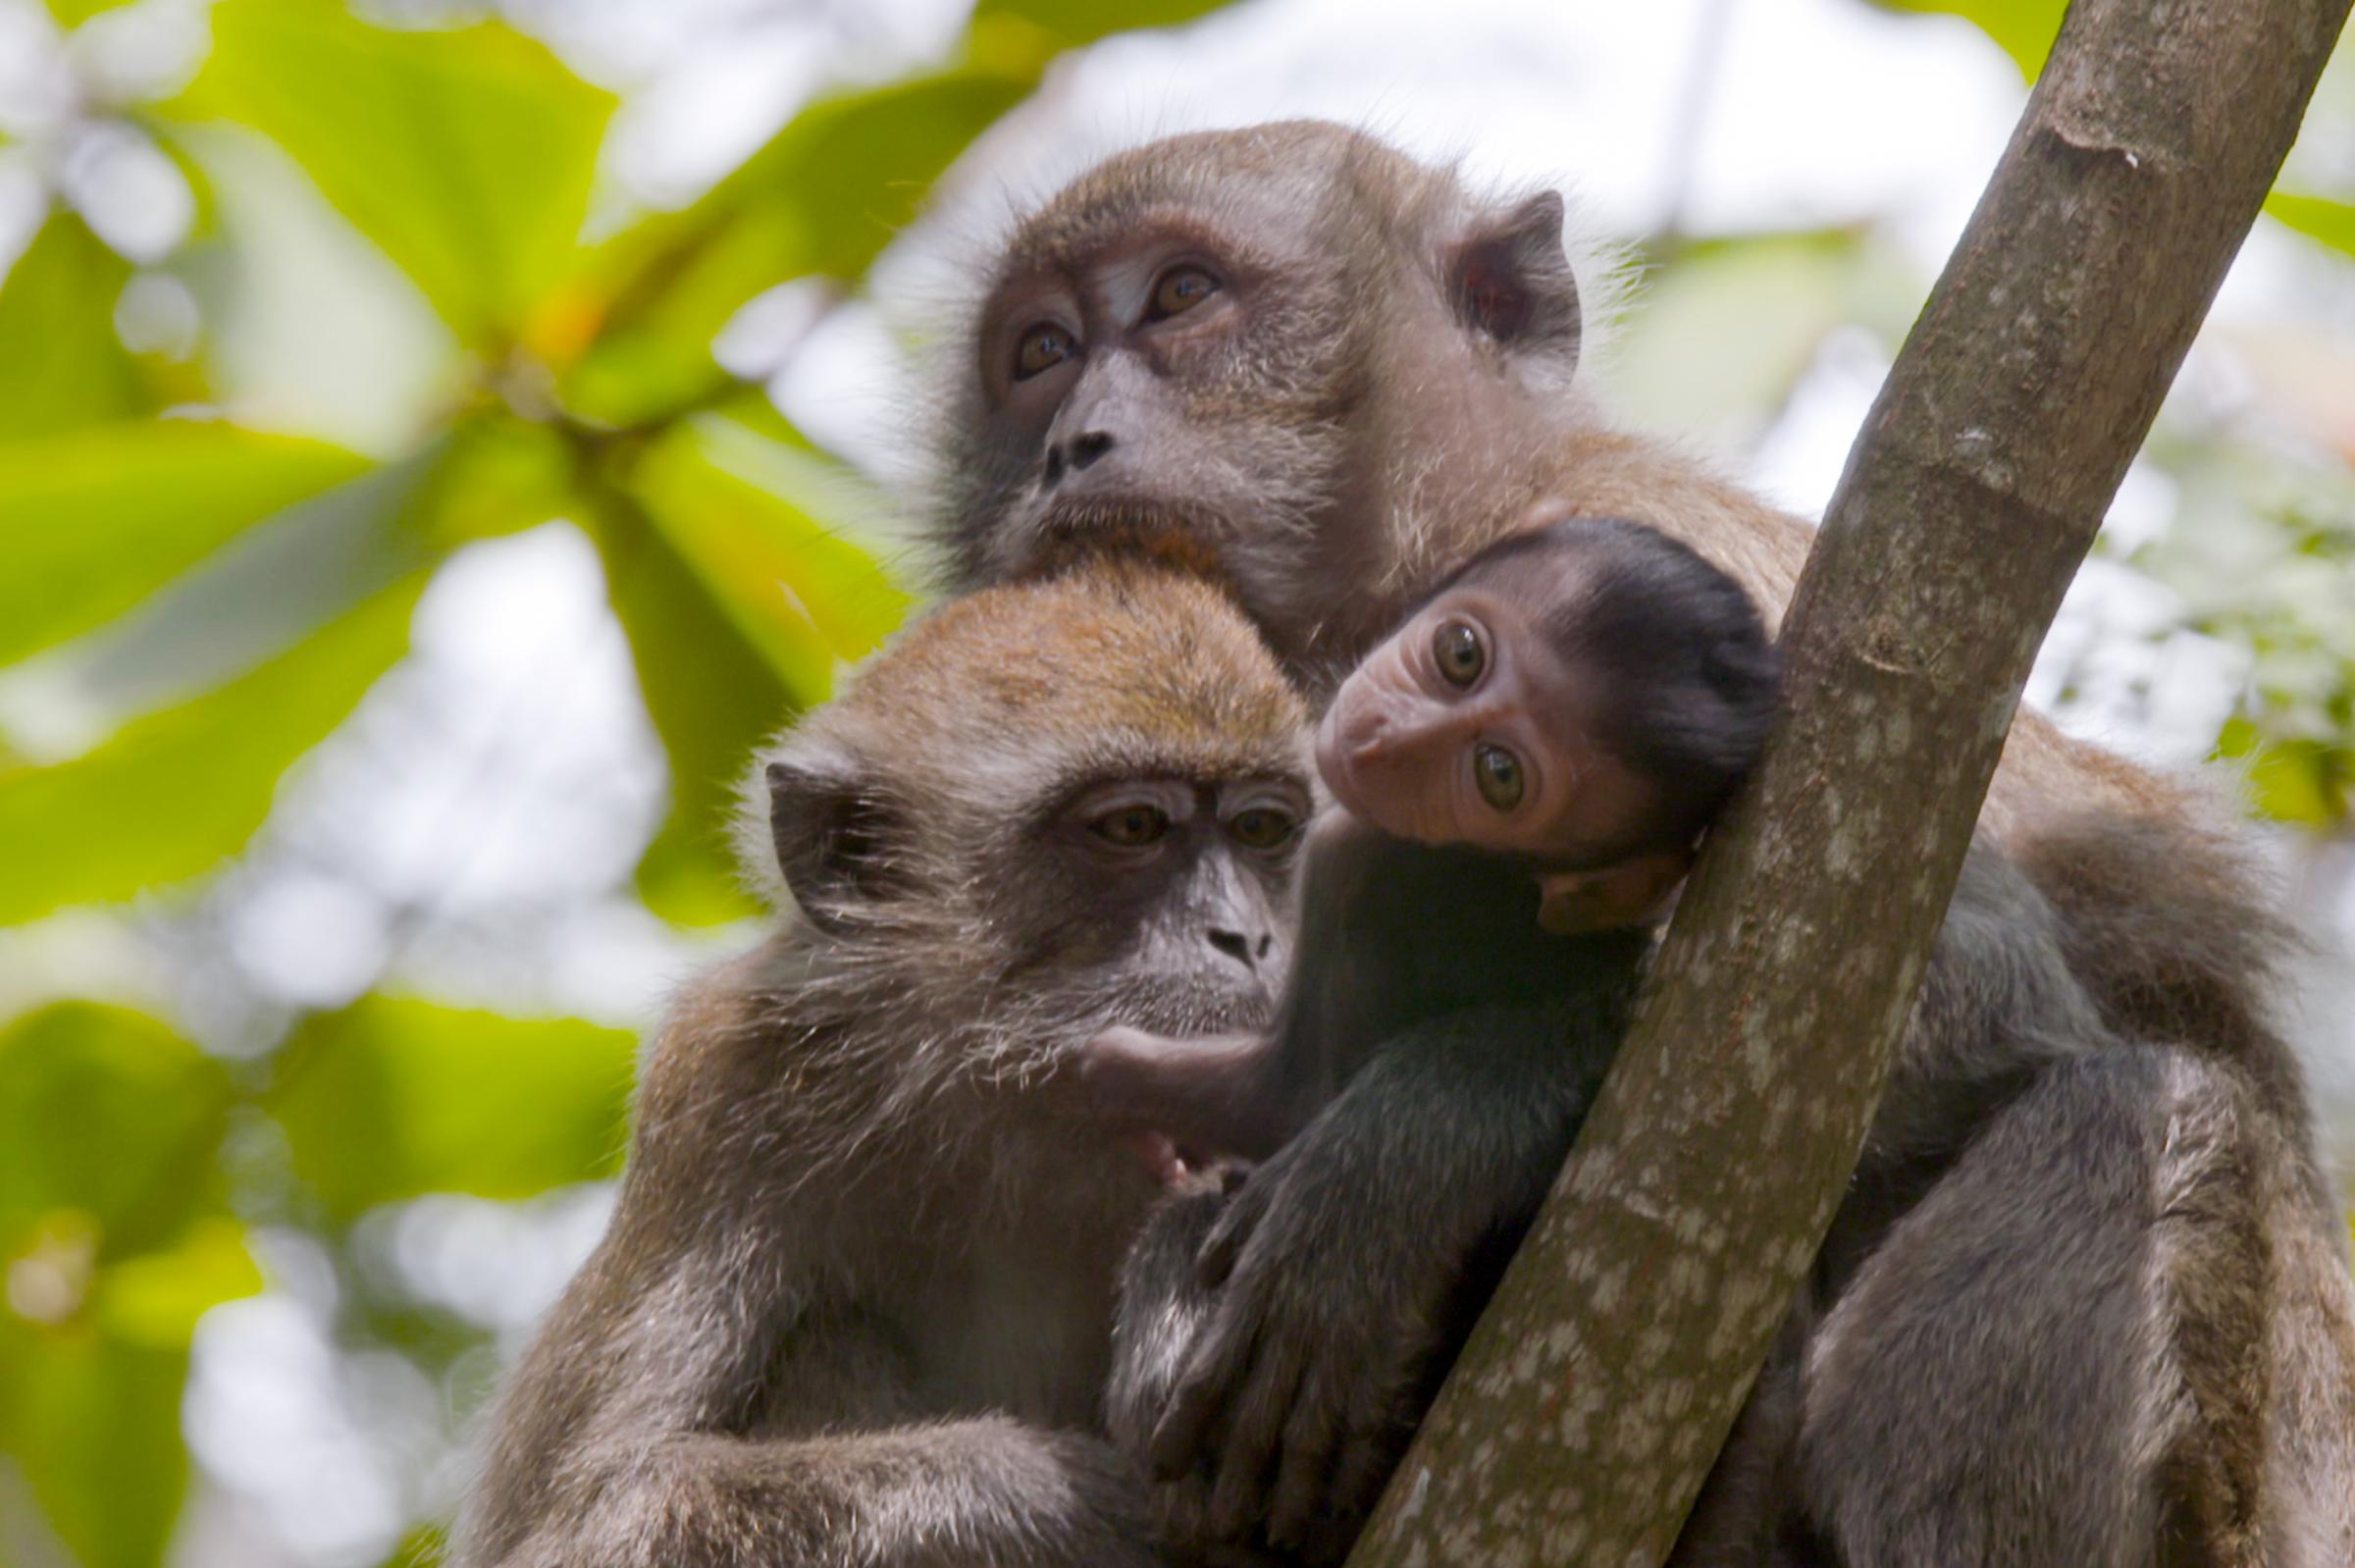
x=854, y=1307
x=1338, y=372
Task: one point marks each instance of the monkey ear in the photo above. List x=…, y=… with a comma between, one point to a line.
x=836, y=837
x=1635, y=892
x=1510, y=281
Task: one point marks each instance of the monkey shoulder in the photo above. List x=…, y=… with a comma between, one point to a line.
x=714, y=1045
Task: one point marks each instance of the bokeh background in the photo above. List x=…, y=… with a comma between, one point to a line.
x=436, y=441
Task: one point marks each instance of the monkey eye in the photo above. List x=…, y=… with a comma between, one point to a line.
x=1042, y=347
x=1498, y=772
x=1178, y=291
x=1455, y=647
x=1132, y=826
x=1263, y=827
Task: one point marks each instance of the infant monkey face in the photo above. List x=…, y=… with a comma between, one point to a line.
x=1467, y=727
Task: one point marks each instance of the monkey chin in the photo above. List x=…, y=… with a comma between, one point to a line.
x=1069, y=535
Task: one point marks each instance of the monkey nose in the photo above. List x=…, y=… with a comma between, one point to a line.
x=1370, y=743
x=1072, y=457
x=1240, y=947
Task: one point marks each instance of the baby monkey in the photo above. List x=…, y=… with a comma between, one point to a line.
x=1530, y=757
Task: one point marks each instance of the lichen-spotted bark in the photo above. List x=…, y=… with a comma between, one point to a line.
x=1587, y=1406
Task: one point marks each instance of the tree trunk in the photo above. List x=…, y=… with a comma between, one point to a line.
x=1587, y=1406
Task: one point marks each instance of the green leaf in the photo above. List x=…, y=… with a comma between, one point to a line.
x=273, y=584
x=392, y=1099
x=73, y=13
x=822, y=198
x=174, y=792
x=760, y=523
x=731, y=570
x=1076, y=22
x=2303, y=782
x=94, y=1424
x=494, y=474
x=467, y=156
x=110, y=1123
x=93, y=520
x=155, y=1298
x=63, y=365
x=424, y=1546
x=103, y=1112
x=712, y=696
x=2299, y=781
x=2025, y=29
x=2316, y=217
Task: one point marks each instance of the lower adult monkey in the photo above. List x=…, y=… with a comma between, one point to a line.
x=1338, y=372
x=854, y=1305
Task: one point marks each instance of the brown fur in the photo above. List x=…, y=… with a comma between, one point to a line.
x=854, y=1305
x=1348, y=433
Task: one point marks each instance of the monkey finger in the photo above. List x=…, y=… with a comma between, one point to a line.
x=1329, y=1539
x=1361, y=1467
x=1249, y=1456
x=1197, y=1406
x=1304, y=1468
x=1182, y=1505
x=1160, y=1158
x=1233, y=1230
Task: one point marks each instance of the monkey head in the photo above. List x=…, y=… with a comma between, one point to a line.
x=1255, y=342
x=1064, y=804
x=1581, y=696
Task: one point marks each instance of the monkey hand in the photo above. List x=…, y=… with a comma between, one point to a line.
x=1296, y=1388
x=1163, y=1310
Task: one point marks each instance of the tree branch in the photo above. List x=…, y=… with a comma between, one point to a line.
x=1586, y=1408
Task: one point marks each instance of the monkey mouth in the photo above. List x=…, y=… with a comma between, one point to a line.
x=1187, y=1009
x=1075, y=521
x=1180, y=537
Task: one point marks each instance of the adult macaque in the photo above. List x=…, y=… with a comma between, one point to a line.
x=854, y=1306
x=2113, y=1291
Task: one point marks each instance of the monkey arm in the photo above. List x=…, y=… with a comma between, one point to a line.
x=726, y=1383
x=1339, y=1260
x=982, y=1489
x=733, y=1425
x=1217, y=1095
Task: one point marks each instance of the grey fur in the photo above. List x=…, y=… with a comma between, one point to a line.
x=2009, y=1352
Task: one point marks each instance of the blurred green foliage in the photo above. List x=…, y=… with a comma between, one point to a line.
x=577, y=381
x=2262, y=549
x=2025, y=29
x=260, y=584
